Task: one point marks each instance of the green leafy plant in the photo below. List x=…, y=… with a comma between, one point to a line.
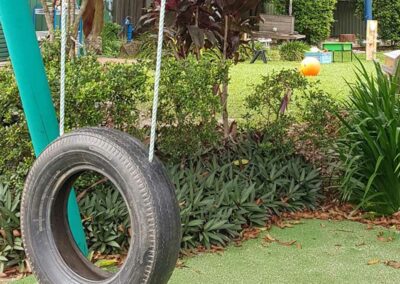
x=314, y=18
x=271, y=98
x=229, y=188
x=188, y=106
x=370, y=149
x=105, y=215
x=11, y=250
x=293, y=51
x=111, y=39
x=297, y=114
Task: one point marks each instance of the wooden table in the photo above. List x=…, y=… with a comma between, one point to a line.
x=341, y=47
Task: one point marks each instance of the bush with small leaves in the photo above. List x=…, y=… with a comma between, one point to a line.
x=293, y=51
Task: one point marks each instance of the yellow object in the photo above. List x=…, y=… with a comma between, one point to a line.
x=310, y=66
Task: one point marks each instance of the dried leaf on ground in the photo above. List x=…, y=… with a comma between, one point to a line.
x=383, y=238
x=106, y=262
x=269, y=239
x=284, y=225
x=287, y=244
x=374, y=261
x=181, y=264
x=250, y=234
x=393, y=264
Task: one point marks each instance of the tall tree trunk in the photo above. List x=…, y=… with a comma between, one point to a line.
x=224, y=94
x=71, y=20
x=48, y=15
x=93, y=22
x=75, y=25
x=71, y=11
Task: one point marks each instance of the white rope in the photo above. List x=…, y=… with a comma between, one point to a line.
x=64, y=11
x=157, y=81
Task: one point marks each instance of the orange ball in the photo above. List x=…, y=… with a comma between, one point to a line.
x=310, y=66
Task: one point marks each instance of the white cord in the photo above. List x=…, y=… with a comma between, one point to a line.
x=64, y=11
x=157, y=81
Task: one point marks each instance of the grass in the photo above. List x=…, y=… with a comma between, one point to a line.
x=333, y=79
x=331, y=252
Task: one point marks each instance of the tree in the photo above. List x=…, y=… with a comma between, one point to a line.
x=48, y=15
x=93, y=23
x=92, y=14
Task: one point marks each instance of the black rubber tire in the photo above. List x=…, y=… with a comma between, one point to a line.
x=145, y=186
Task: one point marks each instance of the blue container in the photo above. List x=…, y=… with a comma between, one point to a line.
x=323, y=57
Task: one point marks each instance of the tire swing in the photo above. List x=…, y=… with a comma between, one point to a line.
x=140, y=179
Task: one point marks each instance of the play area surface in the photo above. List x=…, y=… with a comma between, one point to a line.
x=323, y=252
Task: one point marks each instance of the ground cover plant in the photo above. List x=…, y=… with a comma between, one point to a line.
x=239, y=185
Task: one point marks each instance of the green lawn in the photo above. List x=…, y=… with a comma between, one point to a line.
x=333, y=79
x=330, y=252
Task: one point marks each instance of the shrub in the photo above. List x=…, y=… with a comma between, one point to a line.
x=111, y=39
x=293, y=51
x=270, y=99
x=105, y=95
x=370, y=150
x=314, y=18
x=188, y=106
x=296, y=113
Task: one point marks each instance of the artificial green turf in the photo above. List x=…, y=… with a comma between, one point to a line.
x=331, y=252
x=336, y=252
x=333, y=79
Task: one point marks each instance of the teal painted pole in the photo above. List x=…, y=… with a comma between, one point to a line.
x=34, y=90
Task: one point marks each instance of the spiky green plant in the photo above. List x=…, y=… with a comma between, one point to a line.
x=370, y=150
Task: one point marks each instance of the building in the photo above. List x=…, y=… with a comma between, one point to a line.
x=347, y=21
x=120, y=9
x=3, y=47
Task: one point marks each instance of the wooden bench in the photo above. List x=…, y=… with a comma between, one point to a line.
x=278, y=28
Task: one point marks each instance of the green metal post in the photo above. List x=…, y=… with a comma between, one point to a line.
x=26, y=59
